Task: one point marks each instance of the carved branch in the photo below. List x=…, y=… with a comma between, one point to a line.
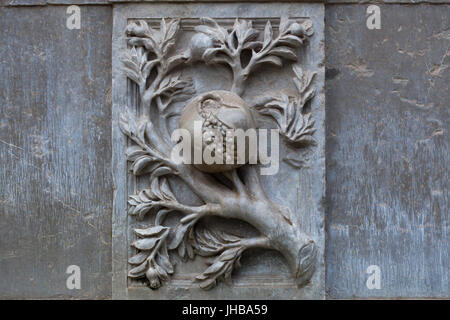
x=228, y=249
x=233, y=176
x=295, y=125
x=145, y=153
x=253, y=182
x=291, y=35
x=229, y=46
x=146, y=202
x=146, y=42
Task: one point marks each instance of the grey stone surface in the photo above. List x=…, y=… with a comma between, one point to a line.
x=26, y=3
x=206, y=1
x=365, y=3
x=387, y=151
x=55, y=151
x=96, y=2
x=106, y=2
x=264, y=274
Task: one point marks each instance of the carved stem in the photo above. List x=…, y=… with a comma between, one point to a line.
x=239, y=77
x=148, y=95
x=208, y=208
x=258, y=242
x=203, y=184
x=273, y=221
x=270, y=219
x=241, y=74
x=158, y=245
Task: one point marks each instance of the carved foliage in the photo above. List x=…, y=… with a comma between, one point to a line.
x=150, y=63
x=295, y=125
x=229, y=47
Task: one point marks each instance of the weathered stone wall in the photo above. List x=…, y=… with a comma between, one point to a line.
x=386, y=144
x=387, y=150
x=55, y=151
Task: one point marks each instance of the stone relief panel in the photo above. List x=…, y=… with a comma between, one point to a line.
x=236, y=222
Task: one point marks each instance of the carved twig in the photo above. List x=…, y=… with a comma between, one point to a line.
x=229, y=47
x=144, y=153
x=228, y=248
x=146, y=201
x=295, y=124
x=156, y=43
x=149, y=54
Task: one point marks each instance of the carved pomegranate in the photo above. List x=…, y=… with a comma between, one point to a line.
x=217, y=111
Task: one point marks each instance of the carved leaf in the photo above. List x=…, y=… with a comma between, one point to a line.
x=212, y=32
x=151, y=231
x=138, y=271
x=175, y=89
x=284, y=52
x=134, y=62
x=138, y=258
x=210, y=242
x=284, y=24
x=163, y=275
x=211, y=27
x=185, y=250
x=148, y=67
x=291, y=40
x=151, y=199
x=254, y=45
x=164, y=262
x=160, y=216
x=141, y=163
x=135, y=152
x=168, y=32
x=291, y=35
x=272, y=60
x=244, y=31
x=145, y=244
x=142, y=160
x=268, y=34
x=180, y=233
x=127, y=124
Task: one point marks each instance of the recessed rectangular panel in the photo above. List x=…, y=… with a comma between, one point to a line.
x=188, y=76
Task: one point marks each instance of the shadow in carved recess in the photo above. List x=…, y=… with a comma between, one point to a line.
x=226, y=190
